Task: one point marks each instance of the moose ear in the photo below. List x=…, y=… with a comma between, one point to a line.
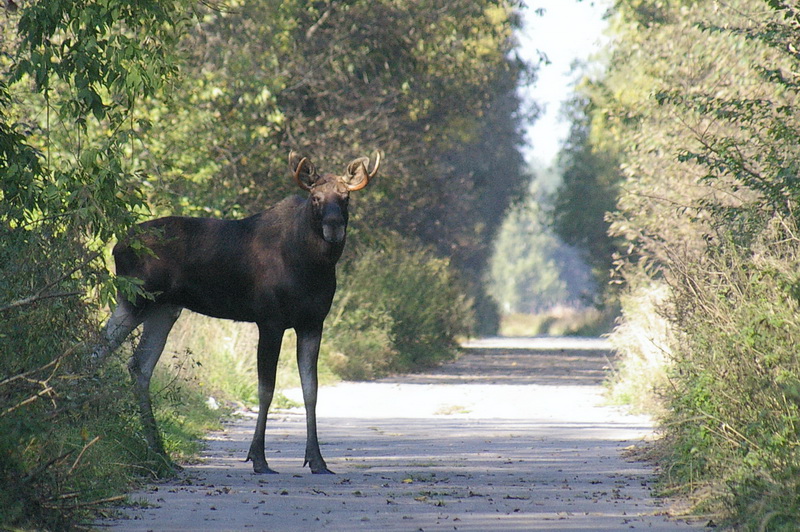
x=303, y=171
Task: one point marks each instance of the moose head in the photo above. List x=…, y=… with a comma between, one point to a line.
x=330, y=193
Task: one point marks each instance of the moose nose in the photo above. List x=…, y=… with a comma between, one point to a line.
x=333, y=224
x=333, y=233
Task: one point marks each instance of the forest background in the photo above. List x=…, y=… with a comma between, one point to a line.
x=678, y=186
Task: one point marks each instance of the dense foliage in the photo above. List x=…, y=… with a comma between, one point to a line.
x=70, y=82
x=432, y=85
x=698, y=104
x=113, y=111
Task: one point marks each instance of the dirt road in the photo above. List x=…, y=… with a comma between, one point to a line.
x=512, y=436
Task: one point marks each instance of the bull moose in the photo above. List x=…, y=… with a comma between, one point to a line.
x=276, y=268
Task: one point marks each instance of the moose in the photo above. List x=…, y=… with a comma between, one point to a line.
x=276, y=269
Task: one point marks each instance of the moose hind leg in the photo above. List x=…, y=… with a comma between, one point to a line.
x=308, y=342
x=157, y=326
x=122, y=322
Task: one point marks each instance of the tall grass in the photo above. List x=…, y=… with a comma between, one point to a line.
x=642, y=338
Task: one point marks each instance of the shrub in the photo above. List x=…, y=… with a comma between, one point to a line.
x=399, y=308
x=59, y=419
x=70, y=433
x=734, y=422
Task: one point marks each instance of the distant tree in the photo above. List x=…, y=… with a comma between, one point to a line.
x=532, y=270
x=587, y=193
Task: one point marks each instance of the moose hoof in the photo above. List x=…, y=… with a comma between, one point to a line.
x=263, y=469
x=321, y=469
x=260, y=466
x=318, y=466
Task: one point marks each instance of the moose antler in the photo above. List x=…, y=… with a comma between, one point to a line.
x=361, y=164
x=298, y=171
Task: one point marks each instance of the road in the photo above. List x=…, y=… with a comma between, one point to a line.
x=514, y=435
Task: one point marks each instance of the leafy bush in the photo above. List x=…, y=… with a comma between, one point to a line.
x=48, y=396
x=399, y=308
x=360, y=346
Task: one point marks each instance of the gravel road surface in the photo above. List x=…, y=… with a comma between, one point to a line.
x=515, y=435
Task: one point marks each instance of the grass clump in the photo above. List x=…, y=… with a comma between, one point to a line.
x=642, y=338
x=182, y=406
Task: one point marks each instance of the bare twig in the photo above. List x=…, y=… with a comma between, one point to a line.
x=25, y=375
x=85, y=504
x=29, y=400
x=313, y=29
x=53, y=362
x=44, y=292
x=33, y=474
x=80, y=455
x=37, y=297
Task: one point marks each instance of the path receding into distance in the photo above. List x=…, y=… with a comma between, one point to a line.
x=514, y=435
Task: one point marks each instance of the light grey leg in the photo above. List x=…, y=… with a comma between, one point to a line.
x=157, y=325
x=122, y=322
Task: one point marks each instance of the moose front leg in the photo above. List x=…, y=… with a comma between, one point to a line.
x=308, y=341
x=269, y=348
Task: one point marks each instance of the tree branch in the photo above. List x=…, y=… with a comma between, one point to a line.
x=38, y=297
x=42, y=294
